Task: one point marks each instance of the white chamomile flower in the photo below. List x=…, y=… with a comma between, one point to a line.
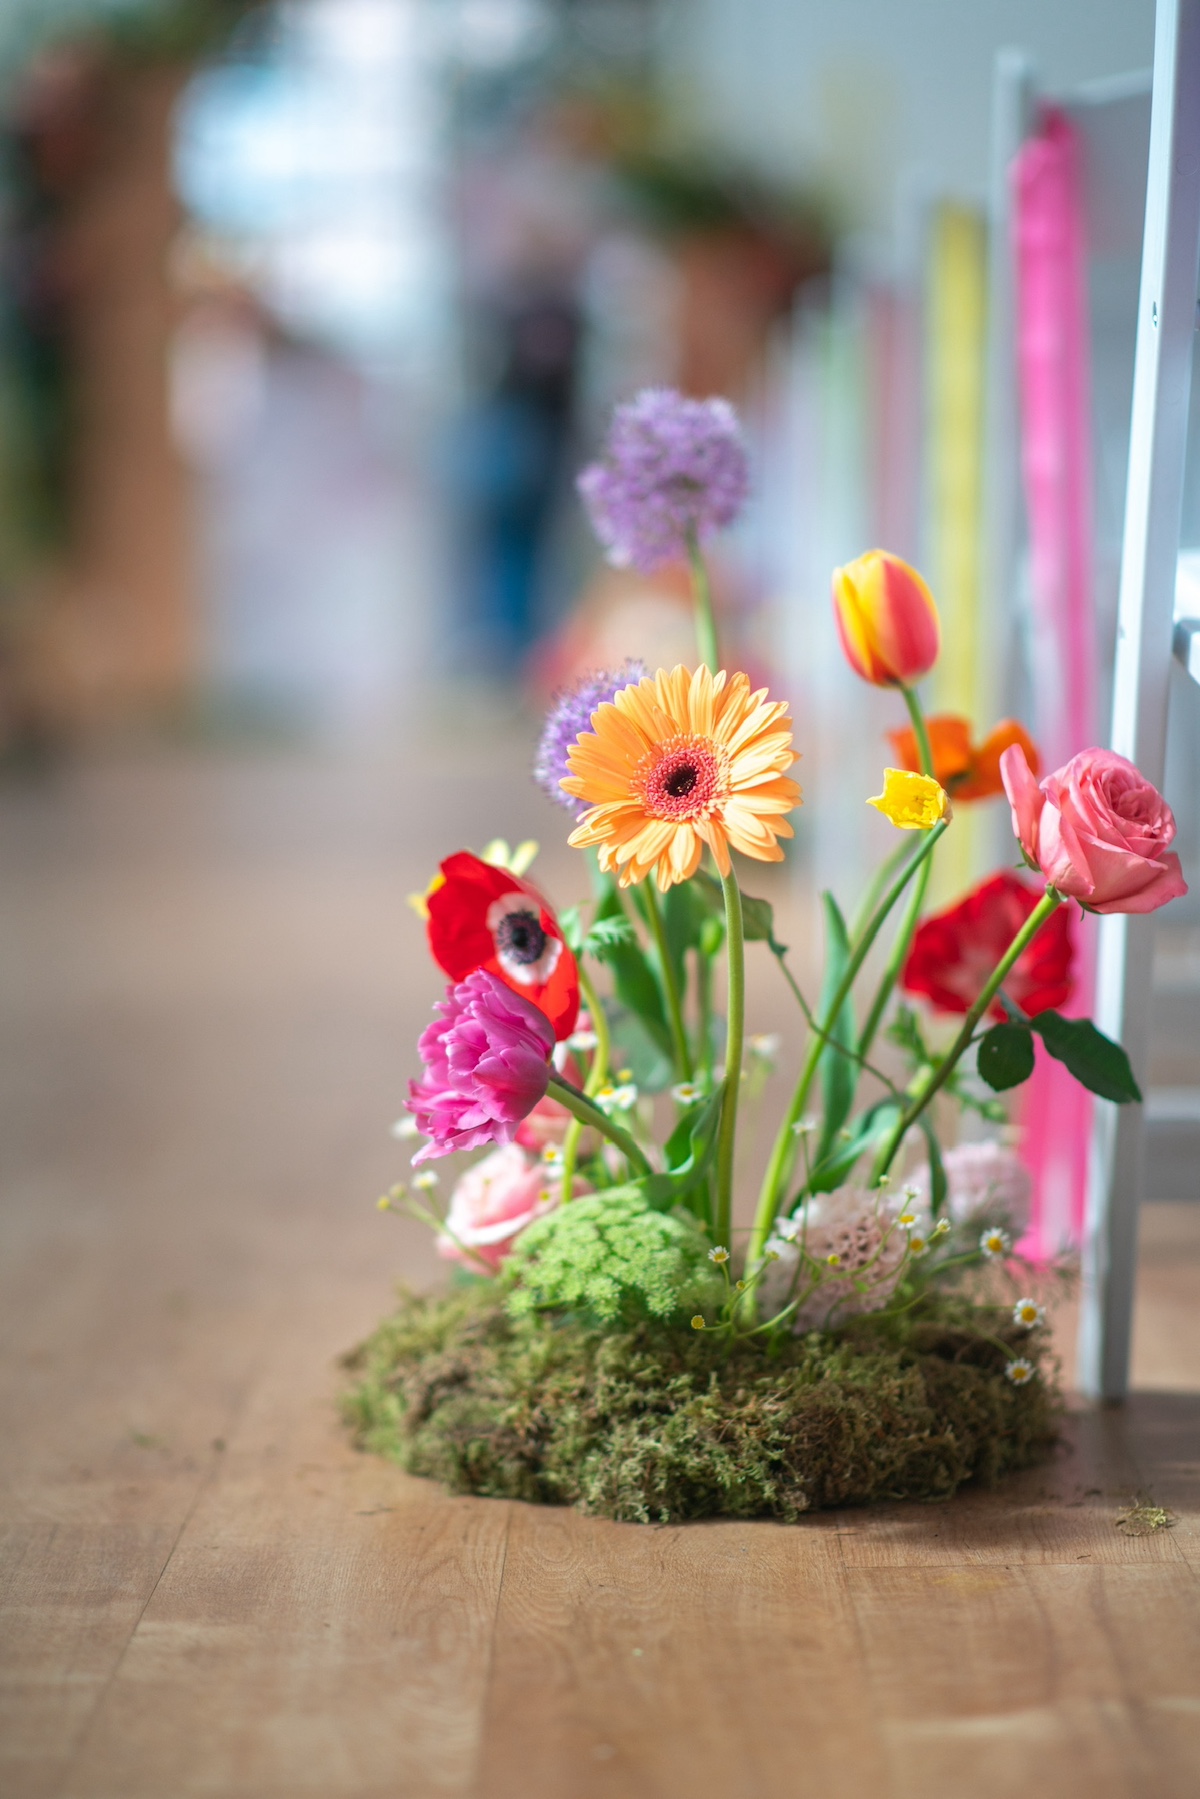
x=427, y=1180
x=620, y=1098
x=1028, y=1313
x=405, y=1127
x=917, y=1245
x=1020, y=1371
x=774, y=1247
x=787, y=1228
x=718, y=1254
x=907, y=1219
x=686, y=1093
x=804, y=1127
x=941, y=1228
x=995, y=1243
x=552, y=1156
x=583, y=1042
x=764, y=1046
x=910, y=1195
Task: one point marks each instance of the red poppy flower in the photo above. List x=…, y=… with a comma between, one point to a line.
x=967, y=770
x=954, y=952
x=481, y=916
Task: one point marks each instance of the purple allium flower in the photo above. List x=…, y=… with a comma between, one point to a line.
x=570, y=714
x=487, y=1064
x=670, y=465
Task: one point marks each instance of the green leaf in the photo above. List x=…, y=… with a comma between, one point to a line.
x=1005, y=1056
x=758, y=915
x=633, y=977
x=685, y=914
x=690, y=1151
x=758, y=920
x=832, y=1170
x=937, y=1168
x=607, y=935
x=571, y=926
x=838, y=1072
x=638, y=1049
x=1095, y=1060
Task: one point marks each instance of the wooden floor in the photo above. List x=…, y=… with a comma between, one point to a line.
x=209, y=993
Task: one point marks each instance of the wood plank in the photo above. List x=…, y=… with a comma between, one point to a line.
x=324, y=1625
x=710, y=1660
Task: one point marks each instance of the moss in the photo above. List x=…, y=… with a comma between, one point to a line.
x=653, y=1423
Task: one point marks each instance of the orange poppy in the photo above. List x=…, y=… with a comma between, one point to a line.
x=966, y=770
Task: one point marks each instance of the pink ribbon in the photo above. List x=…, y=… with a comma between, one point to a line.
x=1053, y=360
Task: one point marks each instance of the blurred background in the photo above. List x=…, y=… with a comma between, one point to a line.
x=312, y=311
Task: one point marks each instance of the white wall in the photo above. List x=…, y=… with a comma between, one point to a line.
x=862, y=91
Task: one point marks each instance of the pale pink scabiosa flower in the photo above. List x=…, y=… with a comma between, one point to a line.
x=571, y=714
x=487, y=1064
x=855, y=1237
x=492, y=1204
x=1096, y=830
x=671, y=466
x=984, y=1184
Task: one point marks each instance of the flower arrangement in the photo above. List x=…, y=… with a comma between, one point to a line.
x=616, y=1340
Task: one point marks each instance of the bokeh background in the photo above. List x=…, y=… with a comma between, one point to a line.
x=311, y=312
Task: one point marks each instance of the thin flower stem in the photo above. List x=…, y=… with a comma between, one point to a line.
x=597, y=1075
x=880, y=880
x=704, y=1013
x=852, y=1055
x=1049, y=901
x=916, y=899
x=706, y=624
x=735, y=1029
x=670, y=986
x=587, y=1113
x=783, y=1152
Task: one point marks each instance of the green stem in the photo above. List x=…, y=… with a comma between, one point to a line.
x=735, y=1028
x=670, y=986
x=883, y=876
x=597, y=1075
x=783, y=1152
x=916, y=899
x=917, y=715
x=706, y=624
x=582, y=1107
x=1033, y=924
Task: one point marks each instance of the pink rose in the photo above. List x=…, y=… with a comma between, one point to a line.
x=487, y=1064
x=1098, y=831
x=492, y=1203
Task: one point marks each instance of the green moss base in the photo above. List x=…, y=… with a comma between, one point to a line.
x=658, y=1423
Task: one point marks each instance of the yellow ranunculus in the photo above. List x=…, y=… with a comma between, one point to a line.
x=912, y=802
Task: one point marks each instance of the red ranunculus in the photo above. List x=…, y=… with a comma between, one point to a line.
x=481, y=916
x=955, y=951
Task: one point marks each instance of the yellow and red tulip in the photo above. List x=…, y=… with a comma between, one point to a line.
x=886, y=618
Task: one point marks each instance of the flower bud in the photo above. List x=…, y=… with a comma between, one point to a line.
x=886, y=619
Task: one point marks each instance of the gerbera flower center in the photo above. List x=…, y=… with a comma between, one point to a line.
x=683, y=780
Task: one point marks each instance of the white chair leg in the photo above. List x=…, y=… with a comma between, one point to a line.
x=1167, y=317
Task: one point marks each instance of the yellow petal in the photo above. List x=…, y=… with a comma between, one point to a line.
x=911, y=802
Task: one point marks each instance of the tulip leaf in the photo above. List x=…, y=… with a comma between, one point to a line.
x=695, y=1134
x=831, y=1170
x=1095, y=1060
x=633, y=977
x=1005, y=1056
x=937, y=1168
x=838, y=1071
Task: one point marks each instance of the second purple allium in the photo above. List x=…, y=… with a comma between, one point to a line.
x=487, y=1064
x=570, y=714
x=671, y=466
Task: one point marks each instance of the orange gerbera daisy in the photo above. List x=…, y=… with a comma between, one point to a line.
x=679, y=761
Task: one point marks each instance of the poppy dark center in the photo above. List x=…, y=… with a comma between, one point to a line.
x=681, y=781
x=520, y=937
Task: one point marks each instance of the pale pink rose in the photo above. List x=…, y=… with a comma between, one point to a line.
x=492, y=1204
x=1097, y=830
